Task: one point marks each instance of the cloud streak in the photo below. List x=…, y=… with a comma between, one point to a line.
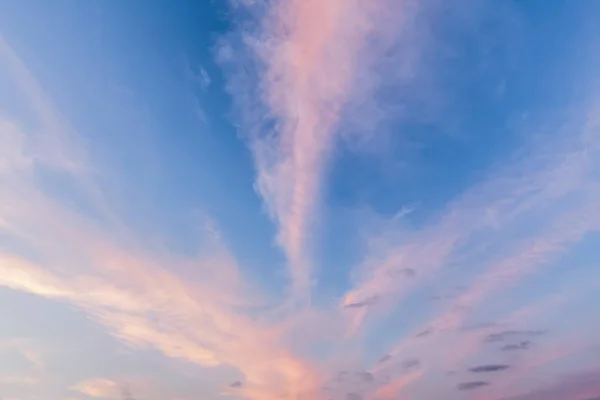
x=307, y=56
x=555, y=181
x=90, y=262
x=393, y=389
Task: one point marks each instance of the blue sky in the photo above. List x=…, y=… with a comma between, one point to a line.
x=299, y=199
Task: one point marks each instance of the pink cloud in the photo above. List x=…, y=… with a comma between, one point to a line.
x=393, y=390
x=133, y=291
x=99, y=388
x=309, y=55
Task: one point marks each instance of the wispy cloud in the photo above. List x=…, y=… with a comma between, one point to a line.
x=542, y=205
x=393, y=389
x=307, y=58
x=31, y=372
x=294, y=70
x=94, y=264
x=142, y=304
x=122, y=389
x=551, y=191
x=55, y=148
x=99, y=388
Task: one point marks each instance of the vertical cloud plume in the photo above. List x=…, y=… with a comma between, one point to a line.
x=306, y=56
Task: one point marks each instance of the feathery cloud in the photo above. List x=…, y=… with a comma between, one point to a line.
x=98, y=266
x=544, y=183
x=307, y=57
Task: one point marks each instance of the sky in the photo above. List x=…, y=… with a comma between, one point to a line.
x=299, y=200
